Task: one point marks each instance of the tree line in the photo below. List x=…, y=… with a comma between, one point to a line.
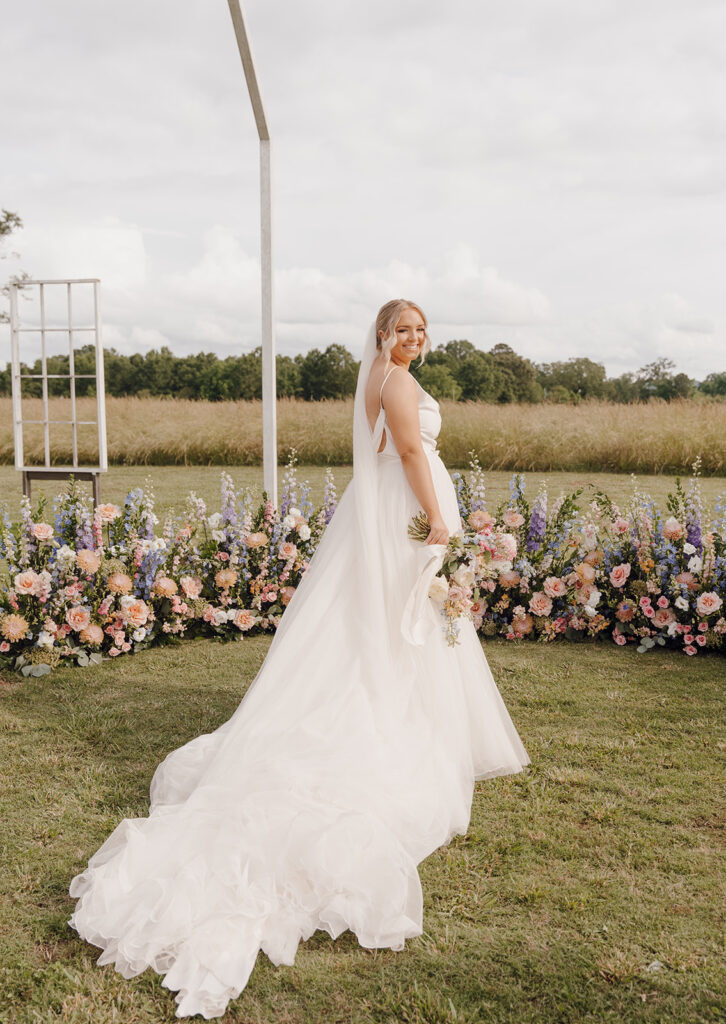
x=456, y=370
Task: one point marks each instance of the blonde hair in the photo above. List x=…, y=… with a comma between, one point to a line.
x=386, y=321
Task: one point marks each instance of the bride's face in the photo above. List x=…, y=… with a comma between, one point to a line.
x=410, y=335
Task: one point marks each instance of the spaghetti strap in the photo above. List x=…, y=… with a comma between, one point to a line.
x=384, y=381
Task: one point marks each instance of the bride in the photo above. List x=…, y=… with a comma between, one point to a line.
x=352, y=755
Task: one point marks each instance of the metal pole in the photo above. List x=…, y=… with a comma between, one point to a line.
x=269, y=390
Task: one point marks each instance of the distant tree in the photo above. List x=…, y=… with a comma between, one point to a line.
x=657, y=380
x=439, y=382
x=328, y=374
x=518, y=376
x=9, y=222
x=580, y=376
x=714, y=384
x=479, y=377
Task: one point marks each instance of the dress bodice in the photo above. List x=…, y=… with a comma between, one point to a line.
x=429, y=416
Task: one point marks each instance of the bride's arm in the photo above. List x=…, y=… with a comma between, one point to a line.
x=402, y=419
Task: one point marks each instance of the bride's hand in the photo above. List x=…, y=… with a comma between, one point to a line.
x=438, y=532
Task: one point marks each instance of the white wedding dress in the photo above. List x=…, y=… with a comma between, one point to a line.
x=349, y=760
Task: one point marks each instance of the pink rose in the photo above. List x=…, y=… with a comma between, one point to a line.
x=619, y=637
x=480, y=520
x=701, y=640
x=620, y=525
x=540, y=604
x=78, y=617
x=506, y=546
x=555, y=587
x=708, y=603
x=134, y=611
x=27, y=582
x=690, y=650
x=619, y=574
x=108, y=513
x=287, y=551
x=662, y=601
x=663, y=617
x=512, y=519
x=191, y=585
x=672, y=529
x=42, y=531
x=243, y=619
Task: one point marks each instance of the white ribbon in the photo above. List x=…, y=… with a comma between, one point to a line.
x=413, y=622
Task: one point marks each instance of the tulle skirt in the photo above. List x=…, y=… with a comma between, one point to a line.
x=313, y=804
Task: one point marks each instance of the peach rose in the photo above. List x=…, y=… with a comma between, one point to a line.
x=625, y=611
x=225, y=578
x=108, y=513
x=27, y=582
x=78, y=617
x=708, y=603
x=663, y=617
x=87, y=560
x=585, y=572
x=119, y=583
x=13, y=627
x=286, y=594
x=619, y=574
x=540, y=604
x=480, y=520
x=287, y=551
x=672, y=529
x=92, y=635
x=243, y=619
x=688, y=579
x=555, y=587
x=164, y=586
x=42, y=531
x=512, y=519
x=256, y=540
x=191, y=585
x=509, y=578
x=522, y=624
x=134, y=611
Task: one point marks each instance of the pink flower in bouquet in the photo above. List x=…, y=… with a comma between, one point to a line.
x=621, y=525
x=479, y=520
x=508, y=578
x=287, y=551
x=663, y=617
x=164, y=586
x=522, y=624
x=619, y=637
x=42, y=532
x=225, y=578
x=119, y=583
x=27, y=582
x=672, y=529
x=107, y=513
x=708, y=603
x=286, y=594
x=644, y=602
x=87, y=560
x=688, y=638
x=688, y=579
x=703, y=626
x=701, y=640
x=134, y=611
x=191, y=586
x=243, y=619
x=513, y=519
x=555, y=587
x=4, y=647
x=662, y=601
x=506, y=546
x=540, y=604
x=619, y=574
x=13, y=627
x=690, y=650
x=91, y=635
x=78, y=617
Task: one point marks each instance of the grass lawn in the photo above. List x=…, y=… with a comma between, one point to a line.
x=603, y=857
x=172, y=484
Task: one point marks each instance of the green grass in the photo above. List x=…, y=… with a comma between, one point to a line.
x=604, y=855
x=173, y=483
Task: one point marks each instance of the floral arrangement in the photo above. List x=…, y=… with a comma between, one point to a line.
x=86, y=583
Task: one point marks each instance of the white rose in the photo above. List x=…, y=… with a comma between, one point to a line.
x=464, y=576
x=218, y=535
x=592, y=601
x=439, y=589
x=45, y=639
x=139, y=634
x=682, y=603
x=304, y=532
x=695, y=564
x=288, y=522
x=215, y=520
x=293, y=511
x=688, y=549
x=65, y=555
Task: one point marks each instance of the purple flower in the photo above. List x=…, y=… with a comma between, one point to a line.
x=537, y=523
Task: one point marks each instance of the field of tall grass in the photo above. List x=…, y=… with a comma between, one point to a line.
x=657, y=437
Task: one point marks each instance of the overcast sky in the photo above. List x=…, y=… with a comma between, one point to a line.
x=546, y=173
